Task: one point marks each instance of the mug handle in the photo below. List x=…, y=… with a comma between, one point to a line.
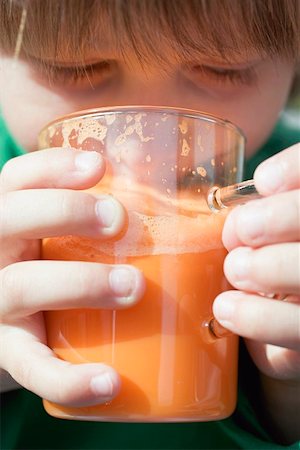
x=215, y=330
x=235, y=194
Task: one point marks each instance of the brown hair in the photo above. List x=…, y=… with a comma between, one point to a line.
x=225, y=28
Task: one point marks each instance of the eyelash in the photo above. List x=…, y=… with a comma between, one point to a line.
x=73, y=75
x=237, y=77
x=78, y=74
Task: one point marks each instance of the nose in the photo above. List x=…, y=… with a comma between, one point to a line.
x=147, y=97
x=147, y=85
x=147, y=89
x=135, y=85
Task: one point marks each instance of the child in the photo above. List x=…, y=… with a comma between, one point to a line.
x=234, y=59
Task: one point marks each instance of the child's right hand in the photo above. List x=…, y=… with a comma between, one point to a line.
x=41, y=197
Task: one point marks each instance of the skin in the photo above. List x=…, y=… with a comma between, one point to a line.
x=262, y=236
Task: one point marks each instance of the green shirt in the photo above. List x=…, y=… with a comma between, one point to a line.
x=25, y=424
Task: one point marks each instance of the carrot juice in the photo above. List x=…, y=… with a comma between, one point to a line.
x=160, y=164
x=171, y=368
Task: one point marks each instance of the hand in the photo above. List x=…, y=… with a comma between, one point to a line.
x=263, y=239
x=41, y=197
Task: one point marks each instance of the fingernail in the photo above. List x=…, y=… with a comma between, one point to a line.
x=106, y=211
x=224, y=309
x=251, y=221
x=102, y=385
x=237, y=264
x=269, y=177
x=123, y=281
x=85, y=161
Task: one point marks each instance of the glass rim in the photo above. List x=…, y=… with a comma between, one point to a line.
x=185, y=112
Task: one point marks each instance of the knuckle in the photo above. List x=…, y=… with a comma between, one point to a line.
x=83, y=280
x=65, y=392
x=12, y=359
x=297, y=147
x=291, y=152
x=23, y=372
x=5, y=175
x=298, y=332
x=295, y=208
x=89, y=284
x=259, y=273
x=10, y=291
x=252, y=319
x=3, y=215
x=75, y=205
x=66, y=205
x=258, y=258
x=274, y=267
x=4, y=345
x=298, y=328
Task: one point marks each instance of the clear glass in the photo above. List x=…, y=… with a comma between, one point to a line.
x=161, y=164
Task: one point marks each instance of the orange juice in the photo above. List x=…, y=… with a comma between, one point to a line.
x=171, y=368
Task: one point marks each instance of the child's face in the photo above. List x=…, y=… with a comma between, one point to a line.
x=250, y=93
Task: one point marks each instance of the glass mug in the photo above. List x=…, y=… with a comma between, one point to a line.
x=175, y=361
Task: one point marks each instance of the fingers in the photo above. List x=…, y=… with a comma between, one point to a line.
x=32, y=286
x=259, y=318
x=31, y=213
x=280, y=172
x=265, y=221
x=52, y=168
x=33, y=365
x=270, y=269
x=274, y=361
x=34, y=214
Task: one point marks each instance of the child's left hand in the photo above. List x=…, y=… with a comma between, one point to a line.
x=263, y=239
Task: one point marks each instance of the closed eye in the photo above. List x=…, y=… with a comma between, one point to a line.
x=219, y=75
x=89, y=75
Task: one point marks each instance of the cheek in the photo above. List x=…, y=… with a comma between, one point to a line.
x=259, y=118
x=26, y=106
x=257, y=112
